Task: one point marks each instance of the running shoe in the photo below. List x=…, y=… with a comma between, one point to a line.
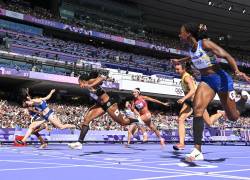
x=75, y=145
x=195, y=155
x=20, y=142
x=178, y=147
x=162, y=142
x=145, y=137
x=43, y=146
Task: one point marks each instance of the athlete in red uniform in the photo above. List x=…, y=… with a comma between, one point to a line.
x=139, y=103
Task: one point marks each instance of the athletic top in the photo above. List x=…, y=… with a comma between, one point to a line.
x=33, y=115
x=129, y=112
x=99, y=91
x=184, y=85
x=140, y=103
x=202, y=59
x=42, y=106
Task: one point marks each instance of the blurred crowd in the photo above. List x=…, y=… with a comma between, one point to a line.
x=13, y=115
x=91, y=21
x=71, y=52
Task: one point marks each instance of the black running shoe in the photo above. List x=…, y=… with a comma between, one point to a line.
x=178, y=147
x=20, y=142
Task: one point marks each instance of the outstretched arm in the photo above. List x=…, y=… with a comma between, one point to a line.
x=49, y=95
x=154, y=100
x=220, y=52
x=191, y=86
x=27, y=92
x=182, y=60
x=97, y=81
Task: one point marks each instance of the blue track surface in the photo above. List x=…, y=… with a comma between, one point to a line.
x=114, y=161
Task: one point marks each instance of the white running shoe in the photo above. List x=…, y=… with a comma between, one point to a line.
x=75, y=145
x=43, y=146
x=195, y=155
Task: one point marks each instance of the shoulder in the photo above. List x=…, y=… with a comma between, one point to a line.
x=207, y=44
x=188, y=78
x=143, y=97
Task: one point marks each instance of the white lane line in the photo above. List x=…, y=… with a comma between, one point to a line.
x=227, y=176
x=196, y=174
x=149, y=162
x=159, y=168
x=72, y=158
x=239, y=165
x=238, y=170
x=30, y=162
x=33, y=168
x=33, y=159
x=164, y=177
x=244, y=157
x=90, y=166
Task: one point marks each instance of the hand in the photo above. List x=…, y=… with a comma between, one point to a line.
x=181, y=101
x=40, y=113
x=242, y=75
x=53, y=90
x=166, y=104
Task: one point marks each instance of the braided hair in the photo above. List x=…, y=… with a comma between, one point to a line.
x=197, y=30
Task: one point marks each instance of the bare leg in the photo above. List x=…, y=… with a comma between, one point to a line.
x=32, y=127
x=39, y=137
x=116, y=115
x=57, y=123
x=229, y=105
x=94, y=112
x=131, y=131
x=147, y=120
x=144, y=132
x=203, y=96
x=185, y=112
x=213, y=118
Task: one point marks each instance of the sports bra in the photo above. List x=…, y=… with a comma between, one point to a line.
x=140, y=103
x=202, y=59
x=184, y=85
x=99, y=91
x=42, y=106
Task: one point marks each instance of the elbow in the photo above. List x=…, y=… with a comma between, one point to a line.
x=193, y=92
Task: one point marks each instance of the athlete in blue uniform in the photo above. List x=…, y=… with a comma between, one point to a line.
x=35, y=116
x=203, y=54
x=46, y=113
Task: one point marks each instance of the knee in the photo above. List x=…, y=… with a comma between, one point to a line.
x=130, y=133
x=181, y=120
x=122, y=123
x=85, y=121
x=233, y=117
x=32, y=128
x=198, y=110
x=209, y=123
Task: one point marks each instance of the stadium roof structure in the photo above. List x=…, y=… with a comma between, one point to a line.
x=225, y=19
